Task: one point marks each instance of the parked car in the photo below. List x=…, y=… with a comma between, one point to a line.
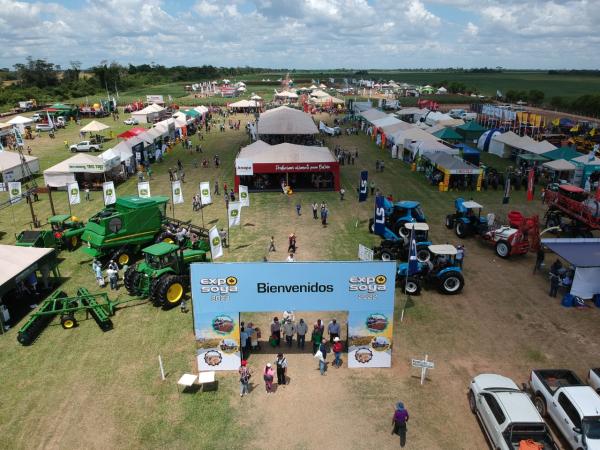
x=36, y=117
x=573, y=406
x=85, y=146
x=44, y=127
x=131, y=121
x=594, y=379
x=506, y=413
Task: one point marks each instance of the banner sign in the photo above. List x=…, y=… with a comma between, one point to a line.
x=379, y=219
x=144, y=189
x=177, y=192
x=87, y=168
x=216, y=246
x=364, y=186
x=14, y=191
x=234, y=212
x=365, y=253
x=205, y=197
x=73, y=190
x=243, y=167
x=110, y=195
x=244, y=197
x=364, y=289
x=530, y=185
x=155, y=99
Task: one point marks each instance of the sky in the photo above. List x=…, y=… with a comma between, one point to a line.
x=305, y=34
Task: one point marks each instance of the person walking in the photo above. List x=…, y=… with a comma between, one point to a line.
x=333, y=329
x=268, y=375
x=399, y=421
x=217, y=188
x=324, y=214
x=276, y=331
x=315, y=207
x=460, y=255
x=299, y=208
x=245, y=375
x=281, y=364
x=342, y=193
x=288, y=331
x=301, y=330
x=321, y=355
x=539, y=259
x=244, y=342
x=113, y=277
x=337, y=351
x=291, y=258
x=87, y=192
x=316, y=337
x=372, y=186
x=292, y=243
x=97, y=267
x=272, y=244
x=554, y=283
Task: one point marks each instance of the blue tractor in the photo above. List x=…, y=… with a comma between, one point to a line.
x=440, y=270
x=397, y=215
x=467, y=219
x=397, y=249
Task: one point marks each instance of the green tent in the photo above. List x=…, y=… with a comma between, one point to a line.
x=192, y=113
x=532, y=157
x=448, y=134
x=470, y=131
x=562, y=153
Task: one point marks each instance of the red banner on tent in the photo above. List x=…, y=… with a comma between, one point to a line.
x=530, y=180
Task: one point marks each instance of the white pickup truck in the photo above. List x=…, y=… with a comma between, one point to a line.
x=594, y=379
x=506, y=413
x=85, y=146
x=573, y=406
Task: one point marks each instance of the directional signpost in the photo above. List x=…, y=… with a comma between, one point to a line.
x=423, y=364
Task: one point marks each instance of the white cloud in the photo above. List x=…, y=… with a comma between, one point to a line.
x=472, y=29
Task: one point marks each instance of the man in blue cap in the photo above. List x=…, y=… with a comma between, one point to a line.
x=399, y=421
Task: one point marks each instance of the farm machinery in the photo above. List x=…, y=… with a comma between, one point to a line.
x=397, y=215
x=441, y=271
x=65, y=234
x=397, y=249
x=164, y=275
x=99, y=306
x=120, y=231
x=518, y=238
x=573, y=210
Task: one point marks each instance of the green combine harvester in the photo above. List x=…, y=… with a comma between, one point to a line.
x=65, y=234
x=164, y=275
x=120, y=231
x=99, y=306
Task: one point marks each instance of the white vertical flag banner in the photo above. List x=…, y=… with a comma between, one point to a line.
x=110, y=196
x=73, y=190
x=205, y=193
x=144, y=189
x=244, y=197
x=216, y=246
x=14, y=191
x=235, y=210
x=177, y=192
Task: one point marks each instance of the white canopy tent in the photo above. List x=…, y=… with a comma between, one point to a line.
x=123, y=150
x=420, y=147
x=373, y=114
x=560, y=165
x=244, y=104
x=11, y=168
x=93, y=127
x=20, y=122
x=149, y=114
x=64, y=172
x=284, y=120
x=501, y=144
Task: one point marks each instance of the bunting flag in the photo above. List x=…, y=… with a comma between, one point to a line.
x=144, y=189
x=244, y=197
x=205, y=197
x=234, y=211
x=364, y=186
x=110, y=196
x=530, y=183
x=413, y=265
x=506, y=197
x=14, y=191
x=379, y=216
x=216, y=246
x=73, y=190
x=177, y=192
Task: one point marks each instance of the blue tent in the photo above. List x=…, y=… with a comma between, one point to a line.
x=469, y=154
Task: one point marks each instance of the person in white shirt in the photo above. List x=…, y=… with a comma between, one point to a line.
x=291, y=258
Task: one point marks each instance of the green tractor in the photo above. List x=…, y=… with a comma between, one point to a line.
x=65, y=234
x=164, y=275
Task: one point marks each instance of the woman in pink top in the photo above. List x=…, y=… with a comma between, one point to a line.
x=268, y=377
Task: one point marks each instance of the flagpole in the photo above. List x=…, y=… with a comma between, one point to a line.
x=172, y=201
x=412, y=235
x=202, y=209
x=69, y=201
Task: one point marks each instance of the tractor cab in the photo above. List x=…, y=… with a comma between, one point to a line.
x=64, y=222
x=397, y=249
x=443, y=256
x=421, y=231
x=161, y=256
x=467, y=219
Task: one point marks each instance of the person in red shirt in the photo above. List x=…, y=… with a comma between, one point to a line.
x=337, y=351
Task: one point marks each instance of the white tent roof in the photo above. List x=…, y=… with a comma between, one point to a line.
x=10, y=160
x=508, y=138
x=146, y=137
x=284, y=120
x=396, y=127
x=420, y=147
x=201, y=109
x=585, y=160
x=179, y=115
x=373, y=114
x=123, y=150
x=63, y=173
x=244, y=104
x=313, y=87
x=180, y=122
x=412, y=133
x=286, y=94
x=322, y=86
x=20, y=120
x=94, y=126
x=560, y=165
x=15, y=260
x=155, y=133
x=152, y=108
x=385, y=121
x=410, y=111
x=319, y=93
x=111, y=157
x=256, y=97
x=261, y=152
x=163, y=125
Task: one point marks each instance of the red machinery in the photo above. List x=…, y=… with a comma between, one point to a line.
x=520, y=237
x=574, y=203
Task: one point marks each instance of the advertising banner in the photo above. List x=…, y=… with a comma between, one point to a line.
x=530, y=185
x=177, y=192
x=216, y=246
x=244, y=197
x=110, y=195
x=364, y=289
x=234, y=211
x=14, y=191
x=364, y=186
x=205, y=198
x=243, y=167
x=73, y=190
x=379, y=218
x=144, y=189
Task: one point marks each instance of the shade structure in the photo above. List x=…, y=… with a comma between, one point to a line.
x=448, y=134
x=64, y=172
x=21, y=122
x=373, y=114
x=11, y=166
x=470, y=131
x=452, y=164
x=562, y=153
x=560, y=165
x=19, y=262
x=131, y=132
x=285, y=120
x=94, y=126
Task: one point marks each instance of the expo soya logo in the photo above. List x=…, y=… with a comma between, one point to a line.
x=368, y=284
x=204, y=192
x=227, y=285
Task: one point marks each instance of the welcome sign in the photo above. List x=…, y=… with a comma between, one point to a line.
x=364, y=289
